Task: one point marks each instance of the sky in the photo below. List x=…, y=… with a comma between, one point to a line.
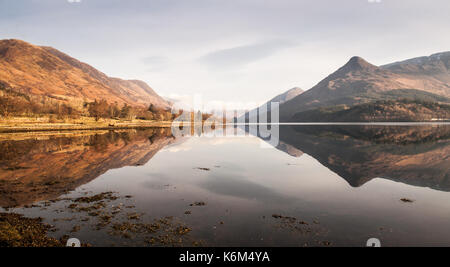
x=229, y=50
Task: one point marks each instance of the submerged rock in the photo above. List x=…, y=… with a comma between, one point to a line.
x=198, y=204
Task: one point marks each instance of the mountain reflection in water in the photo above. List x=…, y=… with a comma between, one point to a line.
x=34, y=169
x=415, y=155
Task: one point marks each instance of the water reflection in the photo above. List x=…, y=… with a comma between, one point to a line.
x=243, y=184
x=35, y=168
x=415, y=155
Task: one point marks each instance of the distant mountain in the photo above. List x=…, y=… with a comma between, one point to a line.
x=288, y=95
x=359, y=82
x=282, y=98
x=45, y=71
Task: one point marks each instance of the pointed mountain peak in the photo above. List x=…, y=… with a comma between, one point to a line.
x=358, y=63
x=353, y=65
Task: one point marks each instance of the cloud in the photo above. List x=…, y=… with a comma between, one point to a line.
x=238, y=186
x=240, y=56
x=229, y=50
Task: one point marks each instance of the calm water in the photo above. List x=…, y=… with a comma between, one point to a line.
x=343, y=184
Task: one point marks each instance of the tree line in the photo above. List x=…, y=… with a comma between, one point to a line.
x=102, y=109
x=13, y=103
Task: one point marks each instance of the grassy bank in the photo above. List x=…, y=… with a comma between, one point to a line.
x=30, y=124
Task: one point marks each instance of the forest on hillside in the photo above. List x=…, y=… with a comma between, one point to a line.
x=401, y=110
x=13, y=103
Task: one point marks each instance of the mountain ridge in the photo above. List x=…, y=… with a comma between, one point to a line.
x=288, y=95
x=46, y=71
x=359, y=82
x=281, y=98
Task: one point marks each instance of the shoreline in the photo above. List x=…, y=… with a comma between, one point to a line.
x=78, y=127
x=58, y=127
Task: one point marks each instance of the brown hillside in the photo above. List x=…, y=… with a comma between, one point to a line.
x=45, y=71
x=360, y=82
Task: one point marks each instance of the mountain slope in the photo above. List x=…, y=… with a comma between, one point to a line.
x=436, y=65
x=380, y=111
x=432, y=70
x=288, y=95
x=359, y=82
x=45, y=71
x=282, y=98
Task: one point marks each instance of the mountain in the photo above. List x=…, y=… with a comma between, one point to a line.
x=436, y=65
x=288, y=95
x=402, y=110
x=46, y=72
x=282, y=98
x=359, y=82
